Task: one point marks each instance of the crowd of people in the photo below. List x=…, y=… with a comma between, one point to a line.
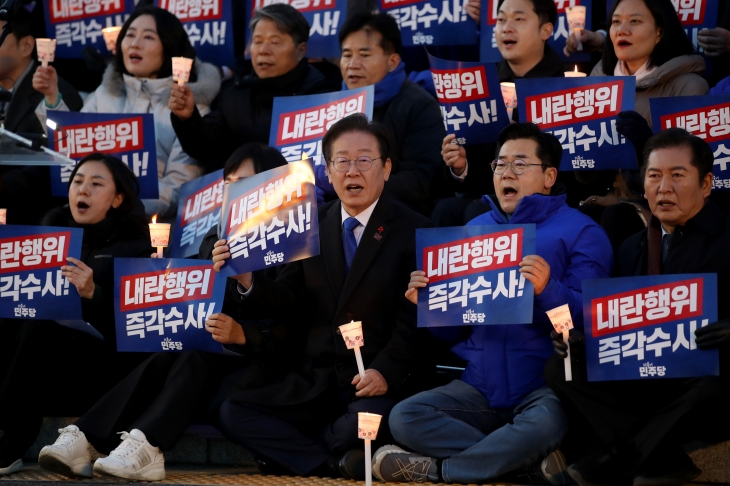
x=287, y=388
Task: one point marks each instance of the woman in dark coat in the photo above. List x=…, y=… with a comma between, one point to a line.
x=47, y=363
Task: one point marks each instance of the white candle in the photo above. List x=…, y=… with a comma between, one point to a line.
x=509, y=94
x=563, y=322
x=3, y=216
x=111, y=34
x=367, y=429
x=576, y=17
x=159, y=235
x=352, y=334
x=575, y=74
x=46, y=50
x=181, y=67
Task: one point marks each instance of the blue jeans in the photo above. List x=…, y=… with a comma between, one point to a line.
x=476, y=443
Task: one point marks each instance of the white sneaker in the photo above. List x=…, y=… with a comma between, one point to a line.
x=15, y=466
x=135, y=458
x=69, y=455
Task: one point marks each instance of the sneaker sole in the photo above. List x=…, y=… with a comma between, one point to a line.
x=13, y=468
x=51, y=462
x=151, y=472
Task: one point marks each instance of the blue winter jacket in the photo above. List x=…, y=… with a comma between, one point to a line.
x=506, y=362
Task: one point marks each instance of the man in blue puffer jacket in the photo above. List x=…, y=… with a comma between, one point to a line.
x=501, y=417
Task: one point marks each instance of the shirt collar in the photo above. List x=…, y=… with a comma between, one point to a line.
x=363, y=217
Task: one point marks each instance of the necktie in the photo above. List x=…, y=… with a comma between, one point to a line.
x=666, y=241
x=349, y=242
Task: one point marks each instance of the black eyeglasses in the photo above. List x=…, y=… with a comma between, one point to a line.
x=518, y=166
x=363, y=163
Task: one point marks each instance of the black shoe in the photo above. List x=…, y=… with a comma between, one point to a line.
x=552, y=470
x=669, y=467
x=352, y=465
x=269, y=467
x=609, y=469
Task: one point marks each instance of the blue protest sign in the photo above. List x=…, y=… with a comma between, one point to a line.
x=470, y=98
x=130, y=137
x=474, y=275
x=162, y=304
x=199, y=210
x=582, y=113
x=432, y=22
x=270, y=218
x=644, y=327
x=707, y=117
x=209, y=24
x=488, y=51
x=325, y=17
x=31, y=284
x=298, y=123
x=76, y=24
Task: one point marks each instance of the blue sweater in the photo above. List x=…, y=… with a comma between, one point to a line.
x=506, y=362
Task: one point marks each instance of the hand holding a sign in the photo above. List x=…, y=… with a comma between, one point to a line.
x=182, y=101
x=81, y=276
x=418, y=280
x=221, y=253
x=713, y=335
x=454, y=155
x=473, y=9
x=45, y=80
x=715, y=42
x=535, y=269
x=372, y=385
x=225, y=329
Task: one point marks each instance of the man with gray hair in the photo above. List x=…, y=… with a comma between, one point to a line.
x=242, y=111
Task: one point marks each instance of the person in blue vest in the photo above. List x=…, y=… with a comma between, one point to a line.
x=501, y=417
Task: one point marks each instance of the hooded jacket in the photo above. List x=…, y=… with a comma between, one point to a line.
x=506, y=362
x=122, y=93
x=680, y=76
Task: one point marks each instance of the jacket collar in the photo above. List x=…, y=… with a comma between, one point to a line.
x=550, y=66
x=674, y=67
x=531, y=209
x=708, y=220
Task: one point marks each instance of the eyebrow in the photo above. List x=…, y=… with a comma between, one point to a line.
x=144, y=30
x=516, y=156
x=514, y=12
x=676, y=167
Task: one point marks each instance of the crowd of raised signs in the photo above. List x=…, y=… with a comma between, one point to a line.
x=240, y=201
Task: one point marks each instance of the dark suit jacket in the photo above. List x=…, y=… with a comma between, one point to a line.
x=325, y=297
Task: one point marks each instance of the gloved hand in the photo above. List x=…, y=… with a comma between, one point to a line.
x=561, y=349
x=713, y=335
x=635, y=128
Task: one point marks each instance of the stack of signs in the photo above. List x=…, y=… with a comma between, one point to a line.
x=325, y=17
x=644, y=327
x=199, y=210
x=488, y=51
x=470, y=98
x=31, y=284
x=474, y=275
x=582, y=113
x=298, y=123
x=209, y=24
x=162, y=304
x=76, y=24
x=707, y=117
x=270, y=218
x=130, y=137
x=432, y=22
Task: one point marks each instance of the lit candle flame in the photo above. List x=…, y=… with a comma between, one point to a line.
x=154, y=219
x=304, y=156
x=576, y=68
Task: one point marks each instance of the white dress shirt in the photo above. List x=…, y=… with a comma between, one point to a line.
x=363, y=218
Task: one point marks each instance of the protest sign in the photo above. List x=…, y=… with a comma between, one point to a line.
x=325, y=17
x=707, y=117
x=270, y=218
x=470, y=98
x=298, y=123
x=488, y=51
x=432, y=22
x=31, y=284
x=643, y=327
x=162, y=304
x=582, y=113
x=474, y=275
x=199, y=210
x=130, y=137
x=76, y=24
x=209, y=24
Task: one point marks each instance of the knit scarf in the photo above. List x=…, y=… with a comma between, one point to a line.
x=389, y=86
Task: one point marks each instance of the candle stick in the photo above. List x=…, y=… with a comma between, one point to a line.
x=159, y=235
x=46, y=50
x=367, y=429
x=509, y=94
x=181, y=67
x=563, y=323
x=111, y=34
x=352, y=334
x=575, y=74
x=576, y=17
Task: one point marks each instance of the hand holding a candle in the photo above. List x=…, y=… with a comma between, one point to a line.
x=45, y=81
x=591, y=41
x=372, y=385
x=560, y=347
x=418, y=280
x=80, y=276
x=182, y=101
x=454, y=155
x=220, y=254
x=225, y=330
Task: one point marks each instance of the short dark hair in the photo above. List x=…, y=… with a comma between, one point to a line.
x=382, y=23
x=549, y=149
x=22, y=24
x=125, y=181
x=172, y=34
x=288, y=19
x=673, y=42
x=357, y=122
x=263, y=158
x=702, y=157
x=546, y=10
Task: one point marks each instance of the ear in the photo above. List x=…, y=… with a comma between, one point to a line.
x=26, y=45
x=118, y=199
x=707, y=185
x=393, y=62
x=301, y=51
x=551, y=176
x=546, y=31
x=387, y=167
x=327, y=173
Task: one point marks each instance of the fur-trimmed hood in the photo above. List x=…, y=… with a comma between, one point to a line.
x=205, y=89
